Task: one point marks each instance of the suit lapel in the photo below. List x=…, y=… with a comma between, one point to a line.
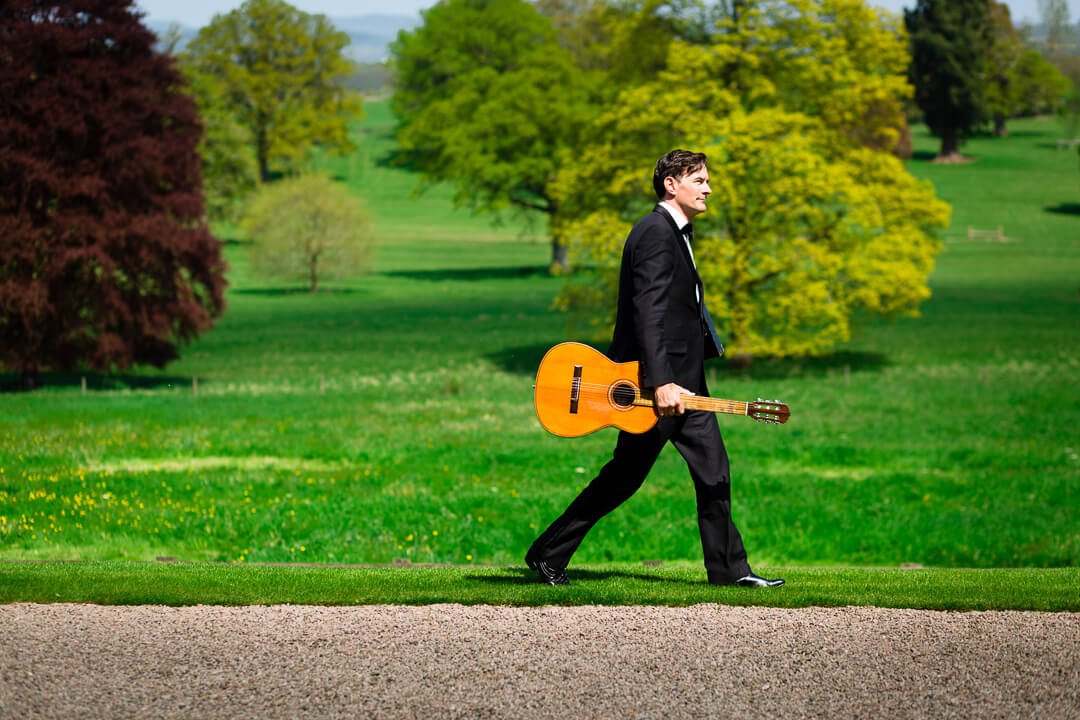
x=680, y=241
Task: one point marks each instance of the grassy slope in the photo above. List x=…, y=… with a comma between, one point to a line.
x=392, y=417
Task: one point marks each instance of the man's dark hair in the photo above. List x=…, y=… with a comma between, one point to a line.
x=676, y=164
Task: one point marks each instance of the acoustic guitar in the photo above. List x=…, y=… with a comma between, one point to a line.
x=579, y=390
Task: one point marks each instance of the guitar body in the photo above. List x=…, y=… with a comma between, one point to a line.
x=579, y=390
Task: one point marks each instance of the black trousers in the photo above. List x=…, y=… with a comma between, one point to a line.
x=696, y=435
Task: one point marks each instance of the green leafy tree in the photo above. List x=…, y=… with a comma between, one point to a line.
x=487, y=98
x=1061, y=36
x=307, y=228
x=227, y=148
x=1019, y=81
x=625, y=42
x=283, y=73
x=1038, y=86
x=798, y=105
x=999, y=71
x=950, y=40
x=837, y=60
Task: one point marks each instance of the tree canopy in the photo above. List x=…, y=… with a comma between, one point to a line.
x=813, y=218
x=229, y=168
x=307, y=228
x=1017, y=80
x=283, y=73
x=950, y=41
x=802, y=104
x=105, y=260
x=487, y=98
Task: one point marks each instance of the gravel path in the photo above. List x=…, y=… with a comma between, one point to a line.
x=89, y=661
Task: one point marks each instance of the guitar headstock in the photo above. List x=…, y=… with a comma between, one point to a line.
x=770, y=411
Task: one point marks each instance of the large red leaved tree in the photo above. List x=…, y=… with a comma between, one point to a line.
x=105, y=257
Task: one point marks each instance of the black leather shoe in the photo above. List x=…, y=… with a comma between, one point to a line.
x=753, y=580
x=548, y=574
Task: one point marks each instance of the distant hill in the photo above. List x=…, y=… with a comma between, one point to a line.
x=370, y=34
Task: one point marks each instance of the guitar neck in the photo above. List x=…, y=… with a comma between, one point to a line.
x=697, y=402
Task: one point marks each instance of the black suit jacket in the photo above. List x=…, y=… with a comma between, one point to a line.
x=659, y=321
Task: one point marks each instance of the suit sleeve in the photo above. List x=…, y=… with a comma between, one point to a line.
x=653, y=268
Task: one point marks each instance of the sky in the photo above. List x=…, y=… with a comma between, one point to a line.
x=196, y=13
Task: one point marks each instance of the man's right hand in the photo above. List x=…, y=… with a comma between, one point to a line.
x=668, y=399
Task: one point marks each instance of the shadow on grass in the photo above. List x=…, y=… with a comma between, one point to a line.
x=470, y=274
x=1017, y=134
x=12, y=383
x=1054, y=146
x=1065, y=209
x=287, y=291
x=524, y=360
x=778, y=368
x=396, y=158
x=930, y=157
x=525, y=576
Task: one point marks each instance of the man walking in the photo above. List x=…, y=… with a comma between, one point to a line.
x=661, y=322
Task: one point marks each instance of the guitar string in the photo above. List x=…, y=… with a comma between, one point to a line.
x=734, y=407
x=606, y=389
x=601, y=392
x=590, y=390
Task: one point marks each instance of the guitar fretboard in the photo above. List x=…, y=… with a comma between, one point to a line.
x=696, y=402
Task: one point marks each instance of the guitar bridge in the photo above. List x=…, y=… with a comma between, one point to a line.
x=575, y=390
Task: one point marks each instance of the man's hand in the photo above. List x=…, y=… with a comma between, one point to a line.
x=668, y=399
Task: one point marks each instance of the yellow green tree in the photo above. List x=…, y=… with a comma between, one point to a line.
x=624, y=42
x=307, y=228
x=283, y=73
x=798, y=105
x=227, y=150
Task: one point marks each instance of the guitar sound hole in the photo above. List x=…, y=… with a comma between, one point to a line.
x=623, y=395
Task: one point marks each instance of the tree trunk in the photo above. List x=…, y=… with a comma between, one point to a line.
x=999, y=126
x=949, y=143
x=560, y=260
x=313, y=275
x=31, y=379
x=740, y=361
x=262, y=152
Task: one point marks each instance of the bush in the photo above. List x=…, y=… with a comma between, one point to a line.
x=307, y=228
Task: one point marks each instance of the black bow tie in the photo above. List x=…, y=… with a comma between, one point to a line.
x=688, y=231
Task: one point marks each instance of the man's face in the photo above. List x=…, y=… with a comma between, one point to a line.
x=690, y=192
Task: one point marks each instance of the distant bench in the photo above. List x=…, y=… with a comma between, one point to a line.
x=995, y=235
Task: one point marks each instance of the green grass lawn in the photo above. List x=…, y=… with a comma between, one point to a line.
x=391, y=416
x=142, y=583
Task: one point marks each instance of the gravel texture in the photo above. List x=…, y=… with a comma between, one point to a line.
x=446, y=661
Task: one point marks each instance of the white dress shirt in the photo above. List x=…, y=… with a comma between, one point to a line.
x=680, y=220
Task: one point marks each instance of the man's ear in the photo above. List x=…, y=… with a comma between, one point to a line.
x=670, y=184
